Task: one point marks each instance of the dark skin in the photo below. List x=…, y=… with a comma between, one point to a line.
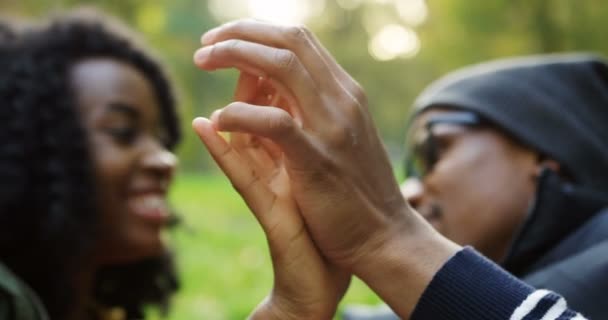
x=337, y=171
x=481, y=187
x=133, y=167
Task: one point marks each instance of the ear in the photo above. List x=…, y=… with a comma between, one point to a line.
x=544, y=163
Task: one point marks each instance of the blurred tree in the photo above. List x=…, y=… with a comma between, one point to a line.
x=427, y=39
x=455, y=33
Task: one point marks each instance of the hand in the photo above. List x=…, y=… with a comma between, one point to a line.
x=306, y=286
x=338, y=170
x=334, y=157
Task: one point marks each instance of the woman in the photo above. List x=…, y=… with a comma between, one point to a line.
x=86, y=160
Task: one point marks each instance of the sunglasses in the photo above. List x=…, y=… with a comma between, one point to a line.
x=423, y=151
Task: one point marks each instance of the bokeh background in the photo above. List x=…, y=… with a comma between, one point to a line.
x=394, y=48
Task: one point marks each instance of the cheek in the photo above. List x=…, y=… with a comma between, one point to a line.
x=483, y=201
x=113, y=169
x=113, y=165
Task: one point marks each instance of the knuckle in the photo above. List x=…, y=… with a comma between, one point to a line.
x=281, y=124
x=340, y=136
x=229, y=47
x=298, y=33
x=351, y=108
x=305, y=31
x=232, y=44
x=286, y=60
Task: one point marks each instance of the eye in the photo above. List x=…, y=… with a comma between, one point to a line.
x=441, y=144
x=123, y=135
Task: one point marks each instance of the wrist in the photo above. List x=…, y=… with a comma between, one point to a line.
x=276, y=307
x=400, y=265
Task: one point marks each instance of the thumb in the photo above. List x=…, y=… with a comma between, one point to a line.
x=272, y=123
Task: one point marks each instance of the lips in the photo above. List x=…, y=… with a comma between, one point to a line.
x=151, y=206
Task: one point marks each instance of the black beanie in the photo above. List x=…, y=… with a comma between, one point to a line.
x=556, y=104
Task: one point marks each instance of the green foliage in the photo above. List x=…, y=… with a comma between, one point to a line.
x=456, y=33
x=223, y=258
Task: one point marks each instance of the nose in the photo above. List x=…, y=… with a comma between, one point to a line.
x=412, y=190
x=160, y=161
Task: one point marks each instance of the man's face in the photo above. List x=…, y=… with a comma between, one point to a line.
x=477, y=184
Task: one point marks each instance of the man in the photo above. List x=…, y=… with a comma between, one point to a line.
x=511, y=157
x=317, y=177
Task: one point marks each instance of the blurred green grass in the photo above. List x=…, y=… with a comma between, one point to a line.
x=222, y=256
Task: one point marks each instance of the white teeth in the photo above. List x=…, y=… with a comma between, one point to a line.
x=146, y=203
x=152, y=202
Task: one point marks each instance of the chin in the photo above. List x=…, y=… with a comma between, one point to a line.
x=152, y=248
x=132, y=250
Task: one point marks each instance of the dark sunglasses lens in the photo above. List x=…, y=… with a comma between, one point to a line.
x=421, y=159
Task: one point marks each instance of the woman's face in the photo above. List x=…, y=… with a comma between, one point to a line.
x=133, y=167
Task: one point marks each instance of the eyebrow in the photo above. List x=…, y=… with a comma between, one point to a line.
x=128, y=110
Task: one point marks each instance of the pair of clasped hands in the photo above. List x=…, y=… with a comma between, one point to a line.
x=305, y=156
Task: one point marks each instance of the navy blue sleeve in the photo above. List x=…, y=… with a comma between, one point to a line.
x=470, y=287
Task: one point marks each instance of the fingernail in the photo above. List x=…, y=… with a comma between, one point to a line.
x=199, y=120
x=202, y=55
x=208, y=36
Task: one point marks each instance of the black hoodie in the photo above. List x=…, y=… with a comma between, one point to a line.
x=558, y=105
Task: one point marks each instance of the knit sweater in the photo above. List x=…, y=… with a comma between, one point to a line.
x=470, y=287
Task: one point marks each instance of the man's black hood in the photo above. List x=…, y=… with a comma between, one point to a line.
x=558, y=210
x=557, y=104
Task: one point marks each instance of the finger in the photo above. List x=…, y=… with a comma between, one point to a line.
x=264, y=93
x=294, y=38
x=292, y=79
x=278, y=217
x=255, y=153
x=260, y=91
x=247, y=87
x=243, y=178
x=269, y=122
x=260, y=151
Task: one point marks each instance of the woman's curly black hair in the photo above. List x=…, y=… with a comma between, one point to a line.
x=48, y=215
